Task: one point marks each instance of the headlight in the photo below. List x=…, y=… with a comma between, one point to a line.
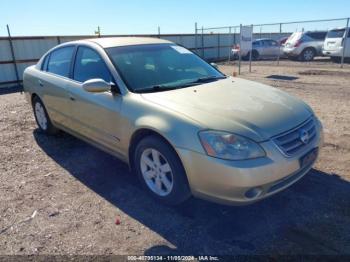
x=229, y=146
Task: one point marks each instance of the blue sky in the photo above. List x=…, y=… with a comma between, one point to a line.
x=76, y=17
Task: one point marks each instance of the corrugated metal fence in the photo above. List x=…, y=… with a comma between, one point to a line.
x=28, y=50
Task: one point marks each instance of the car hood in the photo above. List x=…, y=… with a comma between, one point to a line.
x=236, y=105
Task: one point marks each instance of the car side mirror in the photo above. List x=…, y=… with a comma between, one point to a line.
x=96, y=86
x=214, y=65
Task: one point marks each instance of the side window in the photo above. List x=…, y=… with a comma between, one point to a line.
x=89, y=65
x=45, y=62
x=60, y=60
x=256, y=43
x=273, y=43
x=317, y=35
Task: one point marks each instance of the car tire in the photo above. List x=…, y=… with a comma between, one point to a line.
x=336, y=59
x=308, y=54
x=42, y=118
x=160, y=171
x=255, y=55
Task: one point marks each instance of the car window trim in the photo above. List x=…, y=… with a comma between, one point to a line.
x=46, y=58
x=75, y=58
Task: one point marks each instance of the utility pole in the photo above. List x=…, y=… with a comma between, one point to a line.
x=98, y=32
x=13, y=54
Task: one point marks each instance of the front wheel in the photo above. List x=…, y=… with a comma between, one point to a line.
x=160, y=171
x=255, y=56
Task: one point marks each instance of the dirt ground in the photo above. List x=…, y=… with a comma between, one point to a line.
x=59, y=195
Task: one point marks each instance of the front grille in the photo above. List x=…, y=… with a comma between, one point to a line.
x=290, y=142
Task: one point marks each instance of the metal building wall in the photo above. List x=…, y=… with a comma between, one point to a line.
x=28, y=50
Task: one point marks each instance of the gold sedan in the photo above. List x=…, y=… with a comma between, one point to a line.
x=184, y=127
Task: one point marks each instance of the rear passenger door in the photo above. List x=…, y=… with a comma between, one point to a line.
x=274, y=48
x=54, y=77
x=268, y=49
x=94, y=115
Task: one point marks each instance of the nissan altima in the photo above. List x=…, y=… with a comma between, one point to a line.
x=184, y=127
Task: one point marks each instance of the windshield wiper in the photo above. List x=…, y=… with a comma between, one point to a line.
x=159, y=88
x=208, y=79
x=155, y=88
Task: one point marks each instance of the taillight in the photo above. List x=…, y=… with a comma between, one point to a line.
x=298, y=43
x=236, y=47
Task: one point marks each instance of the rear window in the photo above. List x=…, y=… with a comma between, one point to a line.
x=59, y=61
x=317, y=35
x=294, y=37
x=337, y=33
x=45, y=62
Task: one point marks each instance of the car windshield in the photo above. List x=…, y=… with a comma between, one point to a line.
x=337, y=33
x=160, y=67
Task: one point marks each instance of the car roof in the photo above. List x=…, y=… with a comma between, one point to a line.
x=107, y=42
x=337, y=28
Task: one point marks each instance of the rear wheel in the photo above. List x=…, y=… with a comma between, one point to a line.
x=336, y=59
x=308, y=54
x=160, y=171
x=42, y=118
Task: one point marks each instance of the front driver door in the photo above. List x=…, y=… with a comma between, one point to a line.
x=95, y=116
x=275, y=48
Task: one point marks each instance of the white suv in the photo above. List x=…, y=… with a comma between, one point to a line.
x=305, y=45
x=333, y=45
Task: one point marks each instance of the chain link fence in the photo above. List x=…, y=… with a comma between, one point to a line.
x=273, y=44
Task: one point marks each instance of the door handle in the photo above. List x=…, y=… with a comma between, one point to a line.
x=41, y=83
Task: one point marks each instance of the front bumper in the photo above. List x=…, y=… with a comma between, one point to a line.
x=247, y=181
x=291, y=51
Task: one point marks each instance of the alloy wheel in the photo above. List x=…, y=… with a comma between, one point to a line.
x=308, y=55
x=40, y=116
x=156, y=172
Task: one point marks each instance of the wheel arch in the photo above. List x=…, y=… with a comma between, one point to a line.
x=140, y=134
x=34, y=95
x=310, y=47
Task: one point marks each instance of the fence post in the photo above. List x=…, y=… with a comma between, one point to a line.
x=240, y=52
x=218, y=46
x=251, y=51
x=13, y=54
x=344, y=42
x=195, y=37
x=58, y=40
x=234, y=36
x=279, y=46
x=202, y=42
x=158, y=31
x=230, y=43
